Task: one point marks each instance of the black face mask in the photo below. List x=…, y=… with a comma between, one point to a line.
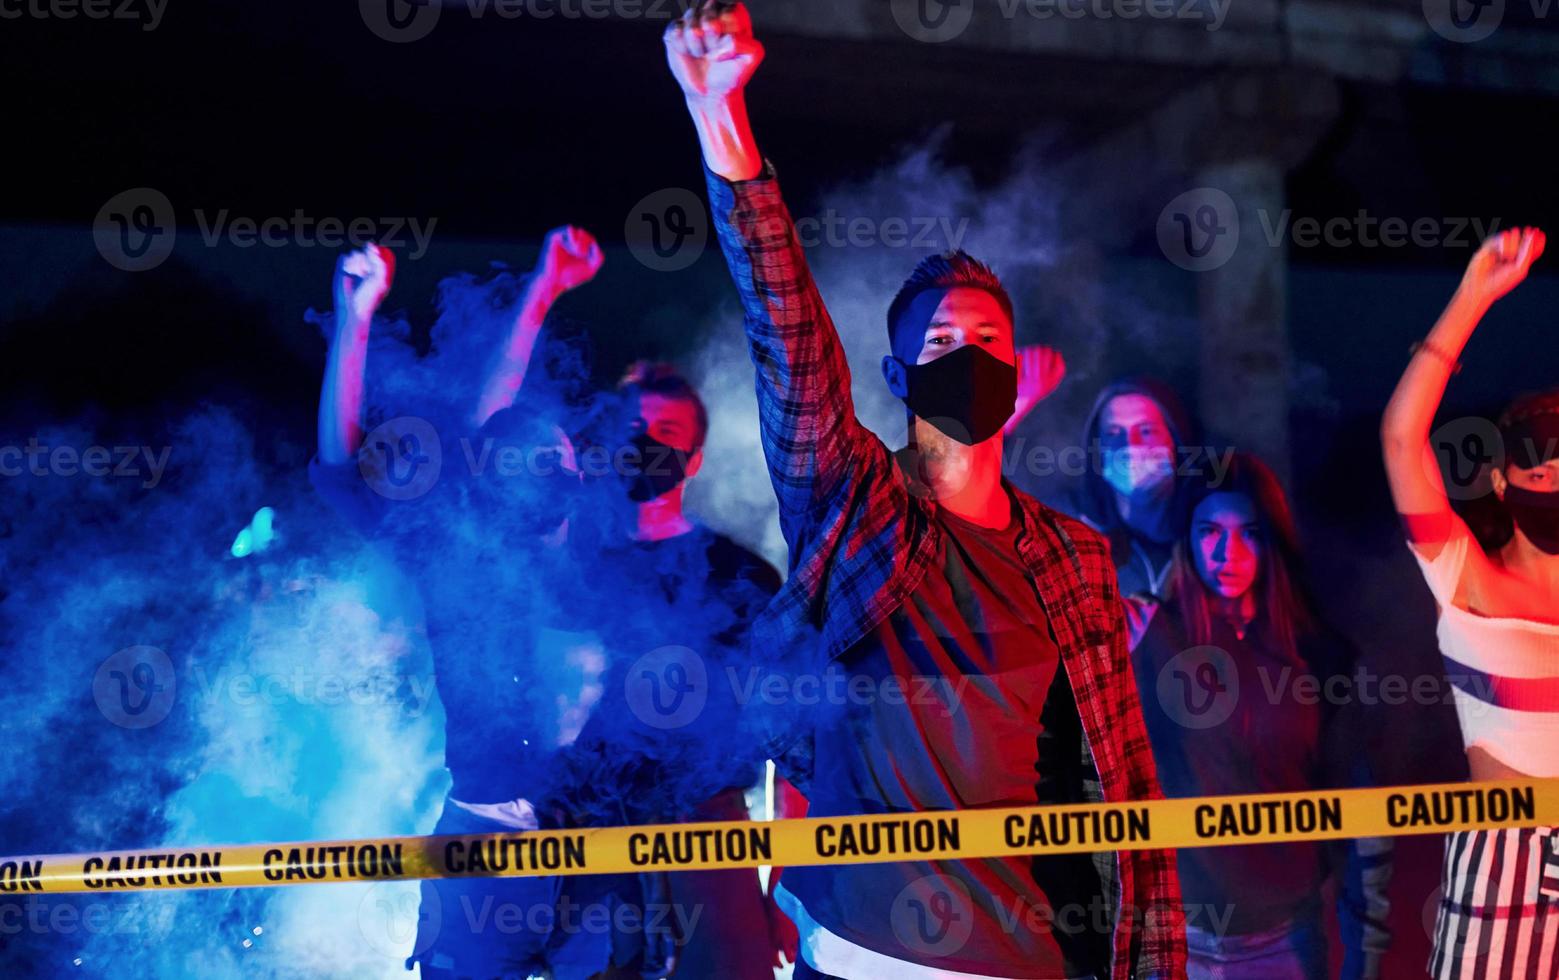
x=968, y=394
x=651, y=468
x=1536, y=514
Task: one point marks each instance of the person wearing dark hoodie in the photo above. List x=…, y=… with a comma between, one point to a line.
x=1133, y=490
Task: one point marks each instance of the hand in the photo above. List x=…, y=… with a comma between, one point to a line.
x=712, y=51
x=1040, y=370
x=1501, y=263
x=570, y=258
x=787, y=940
x=363, y=279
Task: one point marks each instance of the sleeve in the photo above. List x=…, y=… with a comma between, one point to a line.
x=1158, y=947
x=1351, y=742
x=811, y=437
x=1362, y=906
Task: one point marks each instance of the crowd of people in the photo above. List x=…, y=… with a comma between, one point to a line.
x=1056, y=630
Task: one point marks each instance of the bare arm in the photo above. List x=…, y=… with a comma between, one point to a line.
x=570, y=258
x=362, y=280
x=712, y=53
x=1416, y=484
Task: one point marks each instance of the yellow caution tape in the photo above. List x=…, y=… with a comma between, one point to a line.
x=940, y=835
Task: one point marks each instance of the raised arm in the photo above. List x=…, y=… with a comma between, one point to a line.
x=810, y=434
x=1499, y=265
x=570, y=258
x=362, y=280
x=1040, y=371
x=713, y=53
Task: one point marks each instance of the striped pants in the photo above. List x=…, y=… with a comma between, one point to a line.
x=1499, y=916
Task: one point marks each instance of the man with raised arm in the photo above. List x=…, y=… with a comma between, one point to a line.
x=928, y=566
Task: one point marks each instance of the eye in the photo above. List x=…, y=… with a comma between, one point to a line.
x=939, y=340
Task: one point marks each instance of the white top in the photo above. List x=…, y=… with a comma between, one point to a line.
x=1504, y=672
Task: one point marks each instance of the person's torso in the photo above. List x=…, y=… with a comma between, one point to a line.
x=1234, y=716
x=940, y=708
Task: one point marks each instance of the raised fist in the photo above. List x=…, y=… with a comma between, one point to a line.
x=1501, y=263
x=363, y=279
x=570, y=258
x=712, y=50
x=1040, y=370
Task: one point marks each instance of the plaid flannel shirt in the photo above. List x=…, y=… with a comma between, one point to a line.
x=862, y=534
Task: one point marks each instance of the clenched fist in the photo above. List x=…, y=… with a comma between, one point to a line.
x=570, y=258
x=1501, y=263
x=363, y=279
x=712, y=50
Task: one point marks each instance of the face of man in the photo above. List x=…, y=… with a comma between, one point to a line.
x=665, y=433
x=672, y=421
x=1227, y=543
x=1139, y=449
x=956, y=318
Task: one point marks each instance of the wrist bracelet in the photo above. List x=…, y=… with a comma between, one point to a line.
x=1429, y=348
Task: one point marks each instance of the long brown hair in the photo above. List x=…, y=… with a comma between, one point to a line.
x=1283, y=601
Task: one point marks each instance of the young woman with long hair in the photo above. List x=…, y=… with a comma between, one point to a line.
x=1498, y=630
x=1238, y=679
